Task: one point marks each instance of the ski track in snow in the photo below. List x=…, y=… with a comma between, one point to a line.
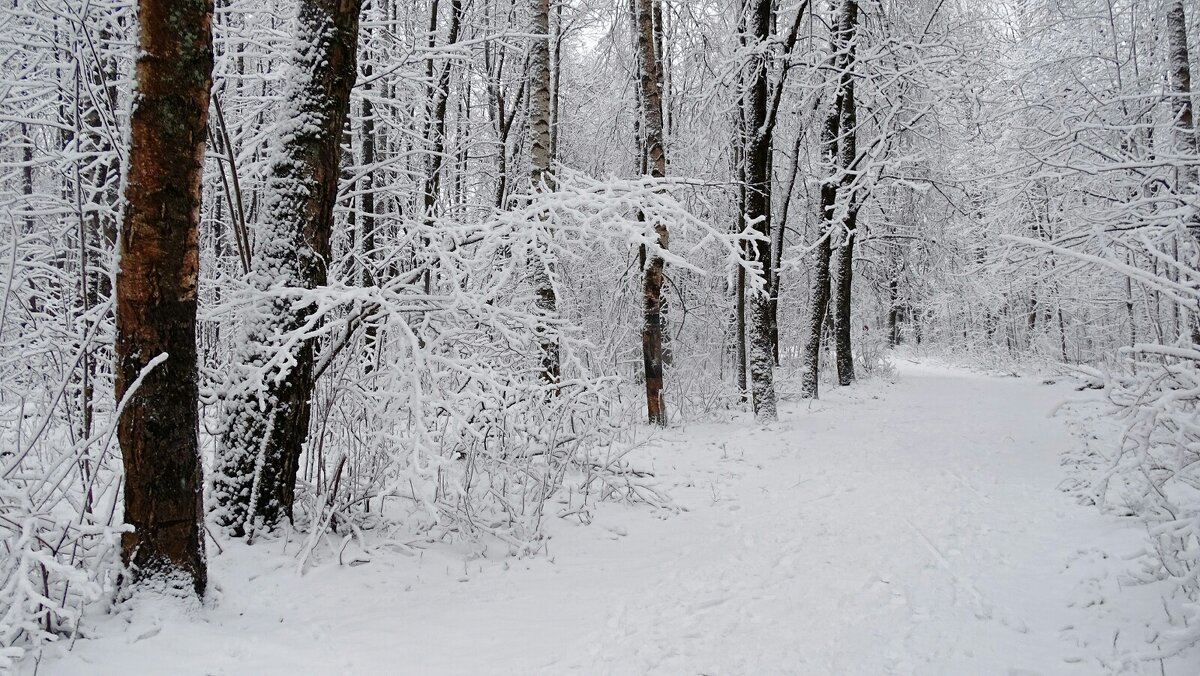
x=907, y=528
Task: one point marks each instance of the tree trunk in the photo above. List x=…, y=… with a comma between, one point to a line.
x=540, y=175
x=651, y=82
x=894, y=312
x=556, y=38
x=501, y=114
x=367, y=242
x=778, y=235
x=156, y=294
x=739, y=352
x=760, y=354
x=837, y=150
x=822, y=252
x=367, y=201
x=439, y=97
x=268, y=415
x=842, y=303
x=847, y=151
x=1180, y=76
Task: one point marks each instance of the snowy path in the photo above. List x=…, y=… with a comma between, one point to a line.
x=913, y=528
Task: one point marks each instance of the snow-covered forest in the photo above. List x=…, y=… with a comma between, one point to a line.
x=599, y=336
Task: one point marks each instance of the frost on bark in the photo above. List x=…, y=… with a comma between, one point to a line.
x=651, y=82
x=156, y=294
x=842, y=304
x=269, y=400
x=847, y=150
x=760, y=353
x=540, y=174
x=835, y=164
x=1180, y=77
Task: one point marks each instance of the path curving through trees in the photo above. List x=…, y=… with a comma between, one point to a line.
x=914, y=527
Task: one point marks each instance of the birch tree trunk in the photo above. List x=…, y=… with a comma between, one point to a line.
x=268, y=412
x=1180, y=77
x=156, y=294
x=651, y=81
x=540, y=174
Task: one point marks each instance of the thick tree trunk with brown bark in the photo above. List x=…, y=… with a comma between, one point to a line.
x=157, y=292
x=651, y=82
x=270, y=400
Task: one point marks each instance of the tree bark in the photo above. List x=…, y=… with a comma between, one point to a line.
x=894, y=311
x=157, y=291
x=268, y=415
x=760, y=353
x=843, y=304
x=651, y=82
x=833, y=140
x=847, y=150
x=439, y=97
x=777, y=242
x=540, y=174
x=819, y=292
x=1180, y=77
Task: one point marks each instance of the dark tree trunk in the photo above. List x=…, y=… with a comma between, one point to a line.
x=501, y=114
x=268, y=415
x=439, y=97
x=743, y=384
x=842, y=303
x=837, y=151
x=156, y=294
x=27, y=174
x=819, y=292
x=847, y=151
x=760, y=354
x=894, y=311
x=651, y=80
x=367, y=202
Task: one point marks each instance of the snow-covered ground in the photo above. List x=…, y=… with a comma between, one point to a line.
x=920, y=527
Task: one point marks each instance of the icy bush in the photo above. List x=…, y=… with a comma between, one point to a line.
x=432, y=410
x=1154, y=473
x=59, y=487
